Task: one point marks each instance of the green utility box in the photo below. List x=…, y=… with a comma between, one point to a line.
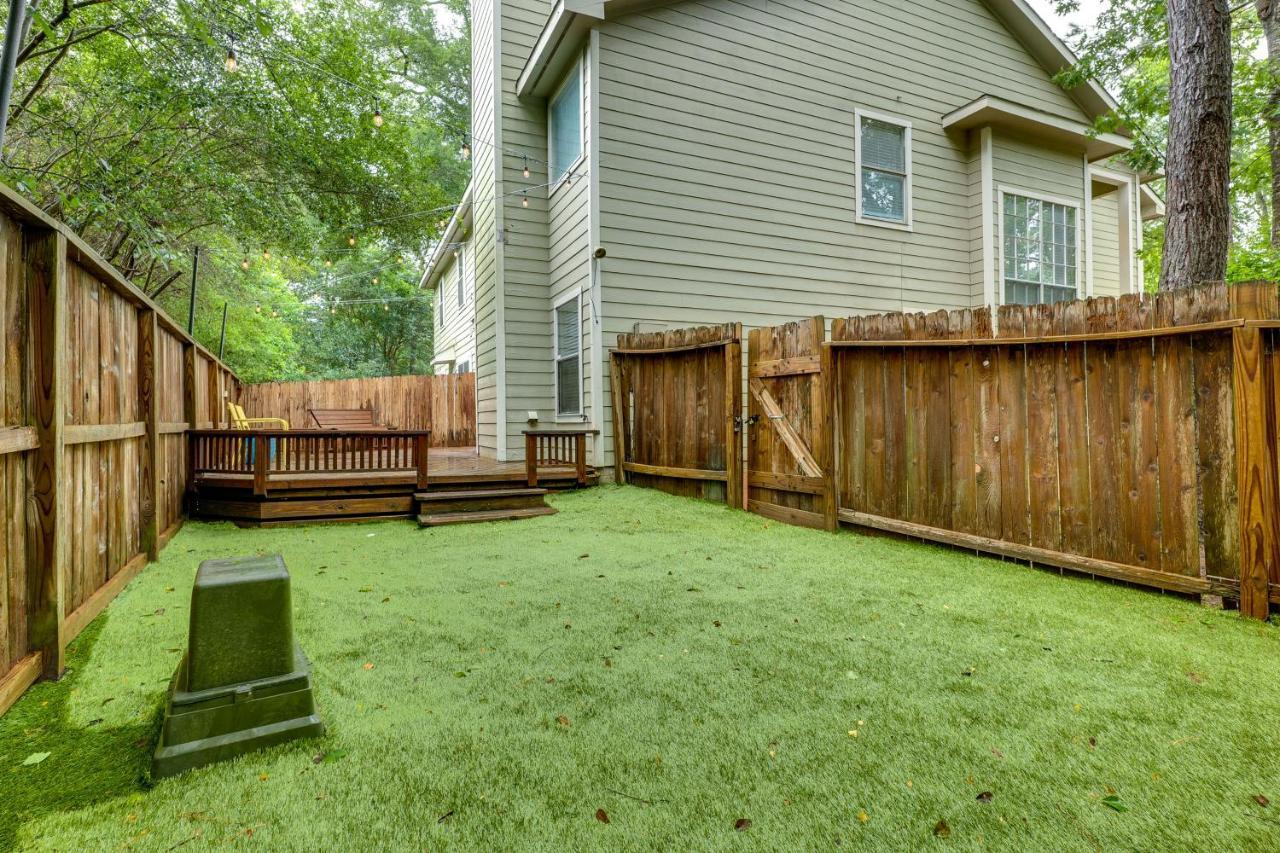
x=244, y=683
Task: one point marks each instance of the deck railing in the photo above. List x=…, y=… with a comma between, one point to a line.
x=307, y=451
x=556, y=448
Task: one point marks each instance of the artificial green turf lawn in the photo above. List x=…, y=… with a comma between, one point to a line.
x=680, y=666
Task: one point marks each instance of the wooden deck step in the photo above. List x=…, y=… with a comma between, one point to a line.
x=479, y=500
x=464, y=494
x=443, y=518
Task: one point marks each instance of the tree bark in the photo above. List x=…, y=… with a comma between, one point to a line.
x=1198, y=163
x=1269, y=15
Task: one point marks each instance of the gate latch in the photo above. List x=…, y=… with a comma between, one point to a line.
x=739, y=422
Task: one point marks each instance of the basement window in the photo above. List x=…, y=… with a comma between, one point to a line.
x=568, y=353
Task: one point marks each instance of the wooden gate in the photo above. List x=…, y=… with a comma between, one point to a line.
x=789, y=452
x=677, y=399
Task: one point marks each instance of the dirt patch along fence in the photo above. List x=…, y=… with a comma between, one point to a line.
x=677, y=404
x=446, y=405
x=98, y=388
x=1132, y=438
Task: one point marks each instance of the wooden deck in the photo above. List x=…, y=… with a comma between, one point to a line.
x=292, y=497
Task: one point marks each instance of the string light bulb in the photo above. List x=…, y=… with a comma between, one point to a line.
x=328, y=263
x=257, y=309
x=231, y=63
x=266, y=254
x=244, y=265
x=351, y=241
x=526, y=167
x=375, y=279
x=386, y=307
x=377, y=116
x=524, y=199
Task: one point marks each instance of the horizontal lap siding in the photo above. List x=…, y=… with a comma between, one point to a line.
x=456, y=339
x=486, y=258
x=525, y=250
x=727, y=174
x=1106, y=244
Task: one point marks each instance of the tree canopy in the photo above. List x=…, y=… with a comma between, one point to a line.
x=1126, y=49
x=276, y=136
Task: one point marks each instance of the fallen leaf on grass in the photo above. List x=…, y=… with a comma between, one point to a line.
x=742, y=824
x=368, y=665
x=997, y=753
x=96, y=721
x=715, y=622
x=986, y=797
x=1261, y=799
x=563, y=721
x=1093, y=742
x=863, y=817
x=583, y=557
x=34, y=758
x=942, y=829
x=601, y=814
x=445, y=816
x=1196, y=678
x=262, y=777
x=1114, y=803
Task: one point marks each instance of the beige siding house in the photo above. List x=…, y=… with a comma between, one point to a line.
x=642, y=165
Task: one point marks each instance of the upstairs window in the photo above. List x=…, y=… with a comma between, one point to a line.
x=883, y=152
x=568, y=340
x=1040, y=250
x=564, y=125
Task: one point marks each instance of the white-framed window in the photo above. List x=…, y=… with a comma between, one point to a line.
x=462, y=281
x=566, y=323
x=440, y=304
x=1039, y=248
x=566, y=125
x=882, y=153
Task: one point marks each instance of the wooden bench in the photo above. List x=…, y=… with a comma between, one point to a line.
x=345, y=419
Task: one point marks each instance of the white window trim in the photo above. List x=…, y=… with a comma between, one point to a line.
x=581, y=63
x=580, y=415
x=1004, y=190
x=908, y=184
x=1129, y=239
x=461, y=263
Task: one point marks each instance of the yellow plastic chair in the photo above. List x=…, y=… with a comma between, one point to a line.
x=240, y=421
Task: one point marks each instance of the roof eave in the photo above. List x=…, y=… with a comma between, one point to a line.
x=568, y=21
x=997, y=112
x=461, y=218
x=1052, y=53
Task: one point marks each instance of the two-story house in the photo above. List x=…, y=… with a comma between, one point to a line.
x=642, y=165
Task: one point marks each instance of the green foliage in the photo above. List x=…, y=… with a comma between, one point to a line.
x=1127, y=51
x=129, y=127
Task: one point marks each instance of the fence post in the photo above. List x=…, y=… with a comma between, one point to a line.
x=618, y=392
x=531, y=459
x=422, y=455
x=261, y=460
x=826, y=425
x=580, y=457
x=1255, y=434
x=44, y=260
x=733, y=413
x=148, y=404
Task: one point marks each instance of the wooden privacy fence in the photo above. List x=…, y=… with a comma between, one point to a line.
x=445, y=405
x=1133, y=438
x=677, y=402
x=98, y=388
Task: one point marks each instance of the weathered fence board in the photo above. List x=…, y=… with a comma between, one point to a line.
x=445, y=405
x=91, y=481
x=1134, y=438
x=677, y=402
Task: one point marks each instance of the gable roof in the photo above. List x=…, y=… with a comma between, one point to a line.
x=459, y=225
x=570, y=20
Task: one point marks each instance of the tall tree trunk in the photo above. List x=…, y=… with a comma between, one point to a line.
x=1198, y=164
x=1269, y=15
